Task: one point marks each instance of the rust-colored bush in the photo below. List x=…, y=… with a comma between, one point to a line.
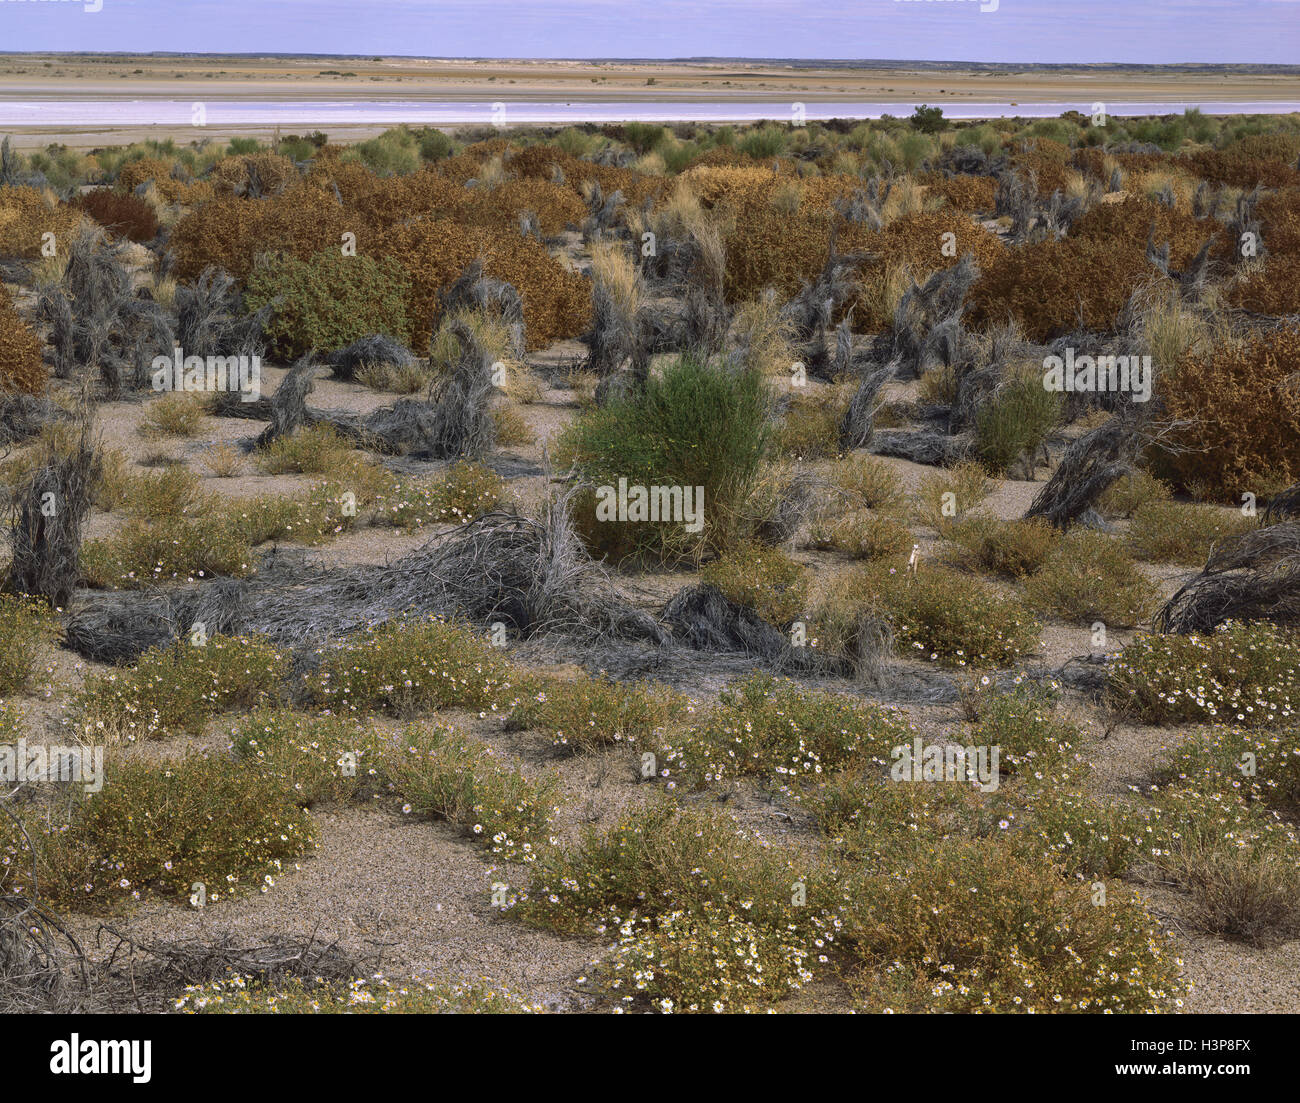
x=124, y=215
x=26, y=216
x=1247, y=431
x=273, y=173
x=1272, y=289
x=21, y=367
x=433, y=252
x=1128, y=223
x=1048, y=161
x=231, y=232
x=1248, y=162
x=917, y=241
x=134, y=173
x=963, y=193
x=1279, y=215
x=1053, y=287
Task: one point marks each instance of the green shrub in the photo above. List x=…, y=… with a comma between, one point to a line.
x=142, y=553
x=974, y=925
x=163, y=828
x=593, y=712
x=656, y=860
x=465, y=492
x=26, y=626
x=772, y=728
x=1174, y=532
x=952, y=618
x=1127, y=495
x=692, y=426
x=764, y=579
x=1089, y=577
x=329, y=301
x=320, y=759
x=375, y=995
x=1247, y=674
x=1011, y=549
x=405, y=666
x=178, y=687
x=1014, y=422
x=947, y=494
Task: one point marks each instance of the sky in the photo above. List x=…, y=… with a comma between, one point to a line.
x=1129, y=31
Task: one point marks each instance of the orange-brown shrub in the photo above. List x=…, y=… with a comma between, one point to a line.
x=1262, y=159
x=962, y=193
x=1047, y=160
x=1128, y=223
x=273, y=171
x=124, y=215
x=25, y=216
x=1272, y=289
x=231, y=232
x=21, y=367
x=434, y=251
x=134, y=173
x=1279, y=216
x=1053, y=287
x=916, y=241
x=1247, y=429
x=766, y=248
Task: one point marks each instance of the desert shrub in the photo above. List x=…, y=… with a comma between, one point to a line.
x=1248, y=674
x=315, y=450
x=1014, y=422
x=1012, y=549
x=375, y=995
x=1089, y=577
x=1052, y=288
x=406, y=666
x=1238, y=864
x=658, y=859
x=1129, y=493
x=943, y=615
x=969, y=194
x=945, y=495
x=871, y=481
x=232, y=232
x=179, y=687
x=157, y=495
x=163, y=828
x=21, y=365
x=1261, y=765
x=764, y=579
x=591, y=712
x=1270, y=289
x=773, y=728
x=26, y=626
x=434, y=252
x=1177, y=532
x=810, y=429
x=707, y=961
x=327, y=301
x=466, y=491
x=320, y=759
x=450, y=777
x=974, y=925
x=1134, y=218
x=862, y=534
x=142, y=553
x=1254, y=432
x=691, y=426
x=174, y=415
x=26, y=216
x=1034, y=741
x=917, y=240
x=123, y=215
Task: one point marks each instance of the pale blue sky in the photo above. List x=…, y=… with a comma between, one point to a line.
x=1019, y=30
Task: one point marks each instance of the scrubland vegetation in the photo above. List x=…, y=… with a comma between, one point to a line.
x=616, y=509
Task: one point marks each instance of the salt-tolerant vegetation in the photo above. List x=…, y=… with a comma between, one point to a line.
x=668, y=546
